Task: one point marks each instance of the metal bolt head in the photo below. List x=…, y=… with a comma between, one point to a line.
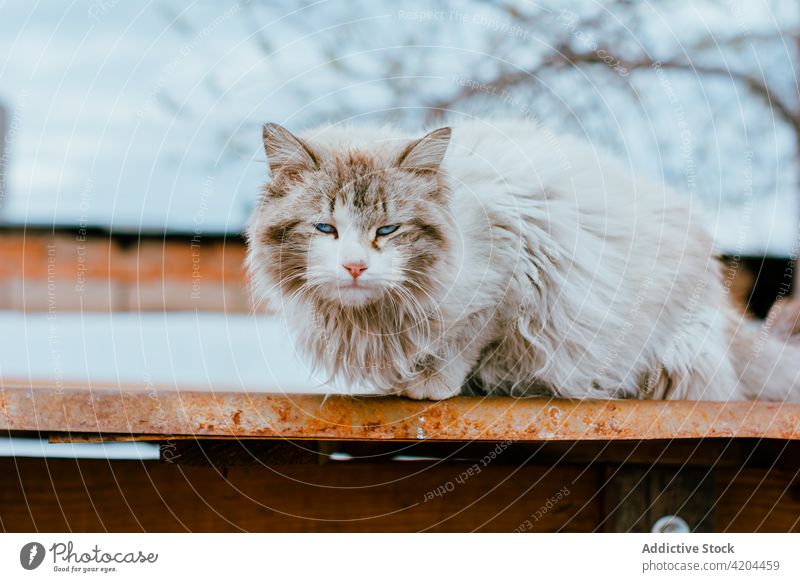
x=670, y=524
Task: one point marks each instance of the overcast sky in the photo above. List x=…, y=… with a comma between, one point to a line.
x=147, y=115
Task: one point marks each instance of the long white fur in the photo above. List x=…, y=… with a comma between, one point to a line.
x=587, y=282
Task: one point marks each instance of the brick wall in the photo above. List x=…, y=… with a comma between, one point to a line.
x=74, y=270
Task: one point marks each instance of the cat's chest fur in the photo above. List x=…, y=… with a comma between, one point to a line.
x=380, y=347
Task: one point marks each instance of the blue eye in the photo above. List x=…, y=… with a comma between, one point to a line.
x=326, y=228
x=388, y=229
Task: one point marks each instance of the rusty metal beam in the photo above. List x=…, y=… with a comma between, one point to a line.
x=162, y=411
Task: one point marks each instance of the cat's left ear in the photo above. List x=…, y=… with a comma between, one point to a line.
x=426, y=154
x=286, y=152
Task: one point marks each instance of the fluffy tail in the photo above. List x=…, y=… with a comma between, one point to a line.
x=767, y=359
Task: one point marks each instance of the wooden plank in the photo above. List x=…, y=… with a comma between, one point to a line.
x=758, y=500
x=95, y=271
x=683, y=453
x=84, y=496
x=236, y=453
x=159, y=411
x=635, y=497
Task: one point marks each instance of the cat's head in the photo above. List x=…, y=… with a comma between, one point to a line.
x=349, y=224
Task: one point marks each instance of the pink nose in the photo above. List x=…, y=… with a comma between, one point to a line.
x=355, y=269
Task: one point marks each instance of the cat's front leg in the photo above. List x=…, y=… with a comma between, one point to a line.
x=439, y=378
x=434, y=387
x=442, y=373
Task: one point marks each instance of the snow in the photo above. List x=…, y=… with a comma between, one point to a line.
x=29, y=447
x=768, y=227
x=201, y=351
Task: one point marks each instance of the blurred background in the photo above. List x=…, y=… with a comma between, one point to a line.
x=131, y=150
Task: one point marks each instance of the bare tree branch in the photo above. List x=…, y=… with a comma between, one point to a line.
x=565, y=56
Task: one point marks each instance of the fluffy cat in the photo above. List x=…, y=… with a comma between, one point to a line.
x=496, y=257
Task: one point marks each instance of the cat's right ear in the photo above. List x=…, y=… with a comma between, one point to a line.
x=285, y=152
x=426, y=154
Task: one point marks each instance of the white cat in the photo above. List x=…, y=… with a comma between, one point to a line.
x=498, y=258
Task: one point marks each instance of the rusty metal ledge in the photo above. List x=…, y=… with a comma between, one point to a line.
x=149, y=411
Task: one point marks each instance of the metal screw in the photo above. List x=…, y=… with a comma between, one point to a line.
x=670, y=524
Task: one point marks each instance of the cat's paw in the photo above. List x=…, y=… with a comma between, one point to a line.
x=434, y=388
